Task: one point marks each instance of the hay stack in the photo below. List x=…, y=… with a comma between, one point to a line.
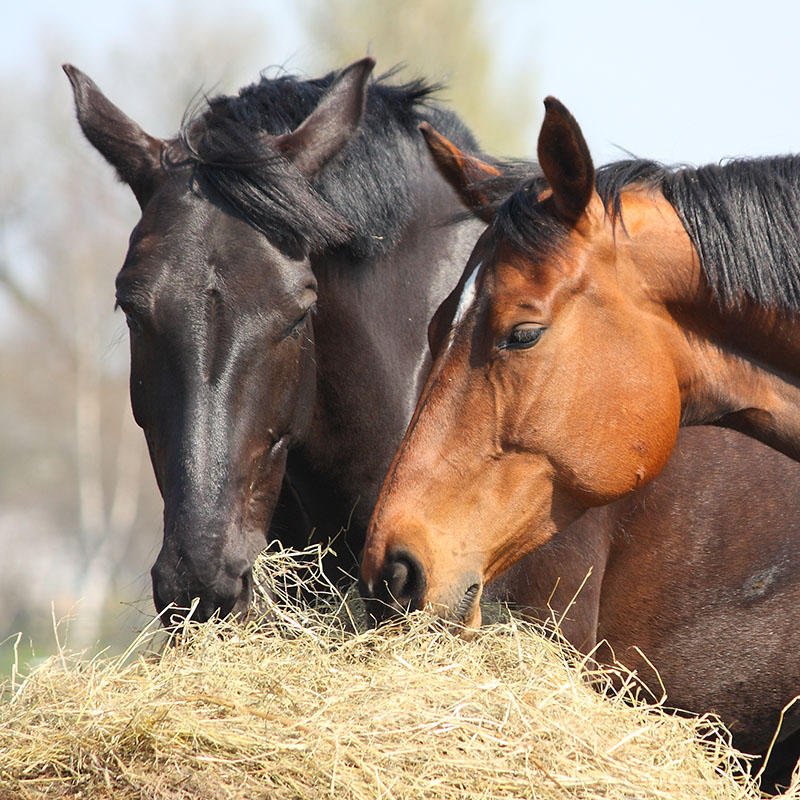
x=304, y=707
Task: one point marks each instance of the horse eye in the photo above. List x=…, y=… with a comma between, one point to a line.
x=522, y=337
x=298, y=326
x=133, y=323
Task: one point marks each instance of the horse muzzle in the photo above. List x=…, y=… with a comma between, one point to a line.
x=226, y=589
x=403, y=586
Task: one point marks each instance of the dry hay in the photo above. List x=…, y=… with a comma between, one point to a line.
x=304, y=706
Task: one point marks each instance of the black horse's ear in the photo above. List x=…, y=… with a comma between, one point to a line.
x=133, y=153
x=332, y=123
x=566, y=162
x=463, y=172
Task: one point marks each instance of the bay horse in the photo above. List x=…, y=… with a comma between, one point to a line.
x=699, y=604
x=598, y=313
x=277, y=290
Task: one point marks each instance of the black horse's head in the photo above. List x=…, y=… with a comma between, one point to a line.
x=218, y=293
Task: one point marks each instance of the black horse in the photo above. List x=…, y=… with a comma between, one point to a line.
x=278, y=286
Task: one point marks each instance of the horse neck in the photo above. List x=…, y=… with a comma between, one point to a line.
x=371, y=342
x=746, y=372
x=738, y=365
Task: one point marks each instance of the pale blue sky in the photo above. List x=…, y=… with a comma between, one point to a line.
x=684, y=80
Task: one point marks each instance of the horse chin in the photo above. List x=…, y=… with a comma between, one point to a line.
x=466, y=617
x=243, y=607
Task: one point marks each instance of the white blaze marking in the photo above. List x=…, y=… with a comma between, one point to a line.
x=467, y=299
x=467, y=295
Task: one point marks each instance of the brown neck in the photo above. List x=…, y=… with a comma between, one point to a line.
x=745, y=373
x=738, y=367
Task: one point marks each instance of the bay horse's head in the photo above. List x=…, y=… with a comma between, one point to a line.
x=551, y=389
x=218, y=293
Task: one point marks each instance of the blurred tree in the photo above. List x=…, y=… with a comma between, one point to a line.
x=79, y=510
x=442, y=40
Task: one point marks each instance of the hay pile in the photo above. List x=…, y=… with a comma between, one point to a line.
x=303, y=706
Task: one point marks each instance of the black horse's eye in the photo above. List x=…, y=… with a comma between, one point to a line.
x=298, y=326
x=523, y=336
x=131, y=320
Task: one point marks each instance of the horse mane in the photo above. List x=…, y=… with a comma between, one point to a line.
x=360, y=201
x=742, y=216
x=521, y=218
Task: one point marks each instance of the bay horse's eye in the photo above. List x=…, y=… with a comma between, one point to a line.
x=523, y=336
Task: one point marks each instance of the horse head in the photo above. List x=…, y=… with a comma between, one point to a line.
x=218, y=293
x=552, y=390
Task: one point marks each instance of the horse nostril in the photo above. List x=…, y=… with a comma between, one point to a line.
x=399, y=577
x=404, y=581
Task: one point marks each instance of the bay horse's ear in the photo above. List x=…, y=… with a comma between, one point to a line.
x=332, y=123
x=133, y=153
x=463, y=172
x=565, y=160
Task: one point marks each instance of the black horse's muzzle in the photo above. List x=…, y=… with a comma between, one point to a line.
x=227, y=590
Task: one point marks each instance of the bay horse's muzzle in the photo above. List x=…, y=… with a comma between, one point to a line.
x=399, y=589
x=402, y=586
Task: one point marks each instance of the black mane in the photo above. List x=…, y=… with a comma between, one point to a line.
x=743, y=218
x=521, y=218
x=361, y=200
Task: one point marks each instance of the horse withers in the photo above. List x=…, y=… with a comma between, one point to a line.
x=277, y=290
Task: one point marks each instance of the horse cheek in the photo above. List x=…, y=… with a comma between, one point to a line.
x=627, y=438
x=649, y=428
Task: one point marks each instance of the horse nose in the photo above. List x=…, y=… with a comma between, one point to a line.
x=166, y=590
x=228, y=590
x=399, y=589
x=403, y=576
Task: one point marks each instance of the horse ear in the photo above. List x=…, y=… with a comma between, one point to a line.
x=133, y=153
x=565, y=160
x=463, y=172
x=332, y=123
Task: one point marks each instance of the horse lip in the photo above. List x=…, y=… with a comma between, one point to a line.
x=467, y=603
x=278, y=444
